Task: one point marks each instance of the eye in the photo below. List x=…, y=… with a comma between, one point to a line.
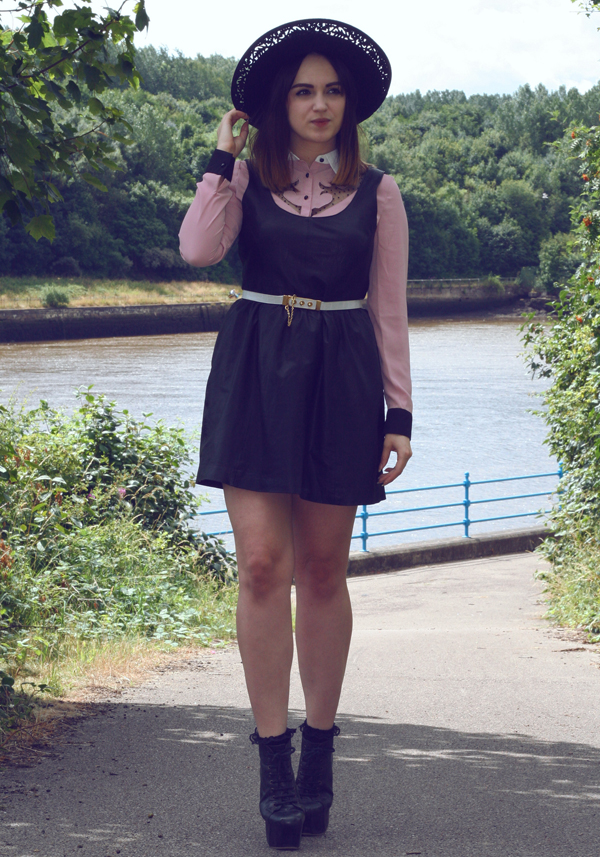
x=303, y=92
x=335, y=90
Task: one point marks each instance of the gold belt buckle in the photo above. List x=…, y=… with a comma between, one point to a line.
x=293, y=301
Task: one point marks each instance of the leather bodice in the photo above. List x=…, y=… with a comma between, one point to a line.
x=326, y=258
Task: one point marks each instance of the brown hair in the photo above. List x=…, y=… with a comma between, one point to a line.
x=270, y=143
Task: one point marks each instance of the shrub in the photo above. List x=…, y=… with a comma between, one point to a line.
x=558, y=262
x=568, y=352
x=96, y=535
x=54, y=298
x=493, y=286
x=66, y=266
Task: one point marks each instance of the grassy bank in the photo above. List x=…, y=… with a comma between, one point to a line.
x=100, y=565
x=573, y=582
x=33, y=293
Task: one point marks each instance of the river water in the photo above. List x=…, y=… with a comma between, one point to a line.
x=472, y=400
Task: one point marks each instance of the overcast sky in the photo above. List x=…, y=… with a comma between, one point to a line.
x=473, y=45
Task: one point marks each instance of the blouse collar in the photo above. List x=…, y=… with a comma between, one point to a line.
x=331, y=158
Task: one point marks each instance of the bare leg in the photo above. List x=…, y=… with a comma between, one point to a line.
x=262, y=527
x=322, y=536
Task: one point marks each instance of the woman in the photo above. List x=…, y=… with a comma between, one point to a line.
x=294, y=427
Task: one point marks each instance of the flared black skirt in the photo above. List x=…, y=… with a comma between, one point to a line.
x=295, y=410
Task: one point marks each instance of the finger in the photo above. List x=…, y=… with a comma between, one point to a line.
x=385, y=454
x=393, y=472
x=403, y=456
x=235, y=115
x=243, y=132
x=230, y=119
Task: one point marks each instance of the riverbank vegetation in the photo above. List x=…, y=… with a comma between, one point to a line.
x=97, y=545
x=484, y=191
x=568, y=353
x=32, y=292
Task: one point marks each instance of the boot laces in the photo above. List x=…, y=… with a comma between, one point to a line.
x=280, y=782
x=310, y=775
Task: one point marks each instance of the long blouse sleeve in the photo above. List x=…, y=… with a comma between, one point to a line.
x=214, y=218
x=386, y=303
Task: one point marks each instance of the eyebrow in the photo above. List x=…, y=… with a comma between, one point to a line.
x=312, y=86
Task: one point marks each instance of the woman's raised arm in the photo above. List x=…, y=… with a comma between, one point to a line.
x=214, y=218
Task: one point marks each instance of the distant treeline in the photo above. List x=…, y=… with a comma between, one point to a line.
x=485, y=190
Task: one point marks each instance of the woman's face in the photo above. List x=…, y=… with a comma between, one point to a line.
x=315, y=105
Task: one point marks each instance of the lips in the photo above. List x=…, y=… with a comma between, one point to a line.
x=320, y=122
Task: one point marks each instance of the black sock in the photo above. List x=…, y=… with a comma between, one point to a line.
x=318, y=736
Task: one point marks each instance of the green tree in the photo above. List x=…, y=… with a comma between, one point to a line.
x=51, y=74
x=568, y=352
x=484, y=185
x=183, y=77
x=558, y=262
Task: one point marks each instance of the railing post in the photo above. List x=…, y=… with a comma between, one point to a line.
x=466, y=504
x=364, y=535
x=561, y=473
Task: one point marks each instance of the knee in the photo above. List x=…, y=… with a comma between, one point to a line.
x=263, y=575
x=321, y=578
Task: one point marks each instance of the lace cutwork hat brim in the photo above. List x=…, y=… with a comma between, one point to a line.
x=366, y=61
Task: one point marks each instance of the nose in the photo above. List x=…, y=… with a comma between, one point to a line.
x=319, y=103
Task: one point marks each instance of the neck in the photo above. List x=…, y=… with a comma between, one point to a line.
x=308, y=151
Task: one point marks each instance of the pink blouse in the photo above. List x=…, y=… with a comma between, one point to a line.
x=214, y=219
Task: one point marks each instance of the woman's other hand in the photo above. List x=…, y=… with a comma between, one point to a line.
x=226, y=141
x=399, y=444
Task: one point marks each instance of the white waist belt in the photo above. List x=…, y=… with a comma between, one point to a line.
x=292, y=301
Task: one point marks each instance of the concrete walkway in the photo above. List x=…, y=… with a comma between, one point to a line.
x=470, y=728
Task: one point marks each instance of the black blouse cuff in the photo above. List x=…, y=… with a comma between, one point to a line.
x=221, y=164
x=398, y=421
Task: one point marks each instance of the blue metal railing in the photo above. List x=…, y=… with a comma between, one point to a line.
x=466, y=503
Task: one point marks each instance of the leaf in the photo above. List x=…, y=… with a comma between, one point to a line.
x=92, y=76
x=41, y=227
x=35, y=33
x=125, y=141
x=49, y=40
x=95, y=106
x=74, y=91
x=141, y=16
x=53, y=193
x=112, y=165
x=94, y=181
x=32, y=113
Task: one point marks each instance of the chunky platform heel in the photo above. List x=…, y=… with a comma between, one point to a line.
x=279, y=803
x=315, y=777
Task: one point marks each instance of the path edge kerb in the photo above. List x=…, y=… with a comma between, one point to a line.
x=382, y=560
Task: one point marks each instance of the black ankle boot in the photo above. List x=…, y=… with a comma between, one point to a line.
x=315, y=777
x=279, y=803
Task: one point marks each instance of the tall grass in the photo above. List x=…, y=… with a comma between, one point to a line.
x=573, y=580
x=30, y=292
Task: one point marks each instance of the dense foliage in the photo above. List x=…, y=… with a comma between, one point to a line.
x=568, y=352
x=52, y=71
x=95, y=533
x=485, y=190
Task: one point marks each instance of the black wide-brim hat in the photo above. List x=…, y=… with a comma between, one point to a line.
x=365, y=60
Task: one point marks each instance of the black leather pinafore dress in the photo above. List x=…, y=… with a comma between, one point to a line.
x=299, y=409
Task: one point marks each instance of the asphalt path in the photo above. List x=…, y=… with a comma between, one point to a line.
x=470, y=728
